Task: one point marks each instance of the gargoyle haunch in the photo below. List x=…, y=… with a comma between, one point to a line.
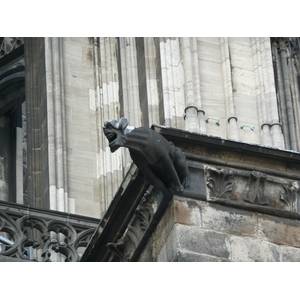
x=161, y=163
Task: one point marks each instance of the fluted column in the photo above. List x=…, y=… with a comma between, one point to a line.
x=109, y=165
x=280, y=96
x=151, y=80
x=172, y=82
x=194, y=114
x=294, y=71
x=130, y=88
x=283, y=55
x=270, y=92
x=263, y=113
x=232, y=128
x=56, y=125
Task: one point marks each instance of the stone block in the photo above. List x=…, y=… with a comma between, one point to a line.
x=186, y=211
x=72, y=50
x=87, y=208
x=187, y=256
x=197, y=186
x=198, y=240
x=290, y=254
x=209, y=49
x=279, y=230
x=230, y=220
x=183, y=211
x=246, y=249
x=162, y=255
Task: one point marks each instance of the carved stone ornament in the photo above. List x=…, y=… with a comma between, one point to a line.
x=251, y=187
x=256, y=188
x=36, y=238
x=220, y=182
x=163, y=165
x=124, y=248
x=289, y=197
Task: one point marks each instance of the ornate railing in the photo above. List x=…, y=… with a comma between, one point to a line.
x=8, y=44
x=43, y=235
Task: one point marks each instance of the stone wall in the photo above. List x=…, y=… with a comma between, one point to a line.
x=81, y=182
x=223, y=87
x=194, y=230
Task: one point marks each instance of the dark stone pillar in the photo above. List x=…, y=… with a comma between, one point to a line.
x=36, y=104
x=140, y=50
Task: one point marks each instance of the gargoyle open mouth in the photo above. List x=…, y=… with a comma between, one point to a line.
x=111, y=136
x=114, y=137
x=114, y=132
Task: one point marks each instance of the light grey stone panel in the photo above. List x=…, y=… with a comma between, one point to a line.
x=230, y=220
x=279, y=230
x=187, y=256
x=244, y=249
x=290, y=254
x=195, y=239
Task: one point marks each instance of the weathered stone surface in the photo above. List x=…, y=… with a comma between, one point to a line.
x=163, y=255
x=279, y=230
x=290, y=254
x=230, y=220
x=199, y=240
x=146, y=255
x=186, y=211
x=254, y=187
x=187, y=256
x=246, y=249
x=197, y=187
x=183, y=211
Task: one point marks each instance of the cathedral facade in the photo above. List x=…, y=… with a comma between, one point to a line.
x=56, y=94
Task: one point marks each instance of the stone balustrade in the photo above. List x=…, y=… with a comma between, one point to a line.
x=33, y=234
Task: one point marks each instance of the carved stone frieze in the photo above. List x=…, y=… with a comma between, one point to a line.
x=251, y=187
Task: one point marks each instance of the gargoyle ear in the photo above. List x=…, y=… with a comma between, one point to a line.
x=113, y=122
x=123, y=123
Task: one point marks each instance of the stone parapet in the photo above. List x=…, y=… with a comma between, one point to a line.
x=33, y=234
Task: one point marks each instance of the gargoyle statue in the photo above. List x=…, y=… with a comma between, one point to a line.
x=161, y=163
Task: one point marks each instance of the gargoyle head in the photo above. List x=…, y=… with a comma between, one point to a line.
x=116, y=132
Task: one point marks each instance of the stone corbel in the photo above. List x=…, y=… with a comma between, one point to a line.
x=125, y=247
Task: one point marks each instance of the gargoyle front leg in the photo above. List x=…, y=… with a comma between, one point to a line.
x=181, y=167
x=153, y=180
x=170, y=169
